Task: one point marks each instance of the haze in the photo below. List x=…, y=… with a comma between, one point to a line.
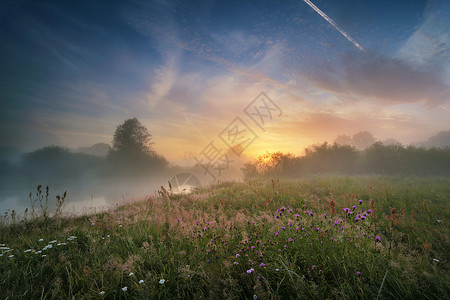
x=72, y=71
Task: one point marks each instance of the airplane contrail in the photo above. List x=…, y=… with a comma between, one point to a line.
x=329, y=20
x=444, y=108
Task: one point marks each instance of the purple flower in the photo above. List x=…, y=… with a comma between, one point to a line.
x=250, y=271
x=354, y=207
x=369, y=211
x=262, y=265
x=360, y=201
x=313, y=267
x=358, y=273
x=377, y=239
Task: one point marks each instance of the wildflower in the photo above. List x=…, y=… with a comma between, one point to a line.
x=92, y=224
x=41, y=240
x=313, y=267
x=120, y=225
x=277, y=270
x=52, y=242
x=235, y=263
x=162, y=281
x=358, y=273
x=263, y=265
x=250, y=271
x=353, y=207
x=360, y=201
x=369, y=211
x=28, y=250
x=11, y=256
x=131, y=274
x=124, y=289
x=255, y=297
x=102, y=293
x=377, y=239
x=237, y=255
x=436, y=260
x=141, y=281
x=44, y=255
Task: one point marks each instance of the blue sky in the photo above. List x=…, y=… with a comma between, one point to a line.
x=71, y=71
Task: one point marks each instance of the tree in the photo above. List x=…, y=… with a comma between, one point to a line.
x=363, y=139
x=132, y=151
x=132, y=138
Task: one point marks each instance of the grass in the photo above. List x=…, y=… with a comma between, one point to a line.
x=270, y=239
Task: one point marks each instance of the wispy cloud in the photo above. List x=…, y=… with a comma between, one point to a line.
x=370, y=75
x=329, y=20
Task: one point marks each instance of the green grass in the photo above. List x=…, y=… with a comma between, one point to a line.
x=236, y=240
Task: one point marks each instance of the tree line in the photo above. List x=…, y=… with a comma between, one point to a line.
x=377, y=158
x=131, y=155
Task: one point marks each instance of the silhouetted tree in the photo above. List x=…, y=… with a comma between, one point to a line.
x=132, y=151
x=132, y=138
x=362, y=140
x=440, y=140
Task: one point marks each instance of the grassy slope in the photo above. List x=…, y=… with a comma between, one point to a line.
x=236, y=240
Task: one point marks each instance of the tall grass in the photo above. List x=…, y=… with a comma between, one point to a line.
x=270, y=238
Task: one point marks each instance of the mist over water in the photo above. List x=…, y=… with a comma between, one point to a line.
x=83, y=196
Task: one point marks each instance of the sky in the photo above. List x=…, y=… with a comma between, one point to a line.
x=193, y=71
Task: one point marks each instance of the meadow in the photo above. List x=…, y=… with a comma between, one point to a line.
x=316, y=237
